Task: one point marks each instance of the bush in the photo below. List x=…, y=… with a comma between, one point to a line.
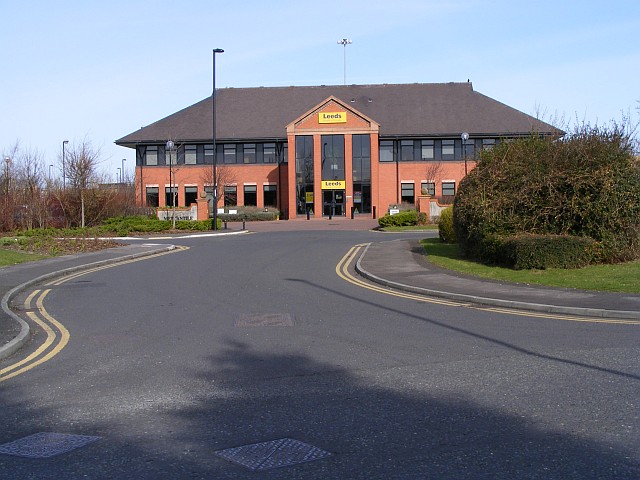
x=405, y=218
x=584, y=185
x=540, y=252
x=250, y=214
x=445, y=226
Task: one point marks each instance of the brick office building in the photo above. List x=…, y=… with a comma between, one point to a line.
x=323, y=150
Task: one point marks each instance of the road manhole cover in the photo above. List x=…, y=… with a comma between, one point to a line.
x=274, y=454
x=266, y=320
x=44, y=444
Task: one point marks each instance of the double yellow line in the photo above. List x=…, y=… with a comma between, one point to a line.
x=57, y=336
x=342, y=270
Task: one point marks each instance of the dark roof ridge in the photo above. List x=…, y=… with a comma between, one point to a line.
x=351, y=85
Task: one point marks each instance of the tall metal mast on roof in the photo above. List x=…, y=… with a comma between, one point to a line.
x=344, y=42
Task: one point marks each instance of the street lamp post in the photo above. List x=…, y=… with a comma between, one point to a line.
x=344, y=42
x=122, y=178
x=64, y=168
x=170, y=145
x=464, y=136
x=119, y=175
x=7, y=178
x=215, y=157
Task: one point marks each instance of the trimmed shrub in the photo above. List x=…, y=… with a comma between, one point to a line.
x=249, y=214
x=422, y=218
x=405, y=218
x=584, y=185
x=445, y=226
x=540, y=252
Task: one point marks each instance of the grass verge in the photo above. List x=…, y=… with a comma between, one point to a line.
x=412, y=228
x=11, y=257
x=624, y=277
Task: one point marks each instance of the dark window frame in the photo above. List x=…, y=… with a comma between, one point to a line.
x=230, y=193
x=150, y=149
x=250, y=192
x=386, y=151
x=404, y=188
x=229, y=153
x=152, y=195
x=448, y=188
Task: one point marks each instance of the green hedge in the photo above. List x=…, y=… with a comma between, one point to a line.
x=248, y=217
x=405, y=218
x=527, y=252
x=586, y=184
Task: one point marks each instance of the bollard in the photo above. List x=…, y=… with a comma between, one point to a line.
x=374, y=212
x=225, y=224
x=353, y=209
x=308, y=215
x=243, y=224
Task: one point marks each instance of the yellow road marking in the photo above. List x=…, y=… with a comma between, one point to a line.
x=342, y=270
x=39, y=356
x=51, y=336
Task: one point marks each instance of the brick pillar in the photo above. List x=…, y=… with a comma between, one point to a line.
x=203, y=208
x=424, y=205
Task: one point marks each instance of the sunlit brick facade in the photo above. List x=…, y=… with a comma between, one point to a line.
x=321, y=151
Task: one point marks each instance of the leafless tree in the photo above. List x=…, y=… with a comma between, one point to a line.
x=30, y=191
x=224, y=176
x=433, y=171
x=83, y=180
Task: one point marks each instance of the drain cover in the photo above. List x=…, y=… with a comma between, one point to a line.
x=274, y=454
x=44, y=445
x=266, y=320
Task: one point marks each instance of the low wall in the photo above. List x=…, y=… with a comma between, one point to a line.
x=181, y=213
x=430, y=206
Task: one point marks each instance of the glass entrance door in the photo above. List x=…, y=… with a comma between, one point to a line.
x=332, y=203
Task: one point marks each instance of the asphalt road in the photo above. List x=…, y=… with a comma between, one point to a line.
x=247, y=339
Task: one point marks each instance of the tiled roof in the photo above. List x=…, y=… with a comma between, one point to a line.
x=419, y=109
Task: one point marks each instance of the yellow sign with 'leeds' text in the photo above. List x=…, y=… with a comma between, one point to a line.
x=334, y=184
x=332, y=117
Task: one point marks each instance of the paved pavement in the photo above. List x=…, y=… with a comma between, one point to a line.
x=397, y=263
x=401, y=264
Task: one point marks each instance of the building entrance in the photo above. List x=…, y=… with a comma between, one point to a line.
x=332, y=203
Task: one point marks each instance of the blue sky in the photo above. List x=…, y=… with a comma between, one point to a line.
x=99, y=70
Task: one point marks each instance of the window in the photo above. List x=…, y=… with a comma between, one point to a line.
x=190, y=154
x=469, y=149
x=171, y=194
x=250, y=196
x=229, y=153
x=386, y=150
x=270, y=195
x=230, y=196
x=249, y=153
x=448, y=189
x=426, y=151
x=170, y=156
x=269, y=153
x=190, y=195
x=361, y=155
x=151, y=155
x=406, y=150
x=488, y=143
x=153, y=197
x=208, y=154
x=448, y=149
x=304, y=159
x=407, y=194
x=332, y=157
x=428, y=188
